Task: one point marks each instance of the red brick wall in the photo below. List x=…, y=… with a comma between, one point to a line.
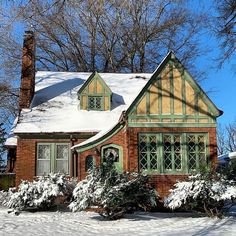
x=128, y=139
x=25, y=166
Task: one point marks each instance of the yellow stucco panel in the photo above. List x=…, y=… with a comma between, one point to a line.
x=166, y=93
x=99, y=87
x=142, y=107
x=177, y=83
x=190, y=99
x=91, y=86
x=154, y=98
x=106, y=103
x=84, y=102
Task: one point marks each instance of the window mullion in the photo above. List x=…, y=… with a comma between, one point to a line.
x=184, y=153
x=52, y=157
x=197, y=151
x=148, y=153
x=172, y=154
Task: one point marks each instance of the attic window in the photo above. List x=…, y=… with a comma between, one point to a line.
x=95, y=103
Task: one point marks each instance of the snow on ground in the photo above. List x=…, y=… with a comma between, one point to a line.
x=89, y=223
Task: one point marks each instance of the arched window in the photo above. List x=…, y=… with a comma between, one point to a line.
x=89, y=163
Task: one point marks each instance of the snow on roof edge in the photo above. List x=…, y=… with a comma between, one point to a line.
x=12, y=138
x=95, y=137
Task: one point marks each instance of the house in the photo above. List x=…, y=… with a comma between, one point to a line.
x=162, y=124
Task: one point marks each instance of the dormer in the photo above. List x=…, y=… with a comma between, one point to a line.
x=95, y=94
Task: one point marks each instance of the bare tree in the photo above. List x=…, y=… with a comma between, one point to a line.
x=221, y=140
x=231, y=137
x=226, y=28
x=10, y=55
x=109, y=35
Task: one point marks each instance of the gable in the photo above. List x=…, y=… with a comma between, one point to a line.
x=172, y=97
x=95, y=89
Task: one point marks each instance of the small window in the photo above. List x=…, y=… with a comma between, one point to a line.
x=89, y=163
x=94, y=103
x=52, y=157
x=111, y=153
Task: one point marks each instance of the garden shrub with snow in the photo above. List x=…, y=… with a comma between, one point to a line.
x=114, y=193
x=205, y=192
x=41, y=193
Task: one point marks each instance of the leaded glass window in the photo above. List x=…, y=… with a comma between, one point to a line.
x=94, y=103
x=196, y=151
x=172, y=153
x=52, y=157
x=148, y=156
x=89, y=163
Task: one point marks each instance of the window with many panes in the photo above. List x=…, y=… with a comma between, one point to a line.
x=172, y=153
x=94, y=103
x=52, y=157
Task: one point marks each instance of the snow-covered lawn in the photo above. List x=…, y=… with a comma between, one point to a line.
x=89, y=223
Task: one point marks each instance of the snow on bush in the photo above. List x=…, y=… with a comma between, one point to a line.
x=41, y=193
x=113, y=192
x=202, y=192
x=4, y=196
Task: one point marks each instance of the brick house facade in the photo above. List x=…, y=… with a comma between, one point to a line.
x=162, y=124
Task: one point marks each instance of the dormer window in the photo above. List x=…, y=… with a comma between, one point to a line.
x=95, y=94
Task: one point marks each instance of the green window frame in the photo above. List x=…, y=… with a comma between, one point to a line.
x=96, y=103
x=196, y=151
x=53, y=158
x=177, y=153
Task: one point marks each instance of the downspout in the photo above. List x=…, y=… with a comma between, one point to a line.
x=74, y=161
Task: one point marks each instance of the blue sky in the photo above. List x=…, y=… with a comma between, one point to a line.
x=220, y=84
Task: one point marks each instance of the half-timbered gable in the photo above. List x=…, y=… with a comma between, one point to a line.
x=172, y=98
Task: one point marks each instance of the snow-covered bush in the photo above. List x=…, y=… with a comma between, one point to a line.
x=5, y=196
x=42, y=193
x=205, y=192
x=114, y=193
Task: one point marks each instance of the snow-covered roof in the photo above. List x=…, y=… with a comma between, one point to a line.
x=56, y=107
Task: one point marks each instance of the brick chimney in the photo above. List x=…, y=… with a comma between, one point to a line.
x=28, y=71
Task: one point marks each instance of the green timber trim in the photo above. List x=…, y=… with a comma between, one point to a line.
x=96, y=76
x=53, y=155
x=55, y=135
x=172, y=60
x=172, y=125
x=101, y=139
x=171, y=89
x=159, y=153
